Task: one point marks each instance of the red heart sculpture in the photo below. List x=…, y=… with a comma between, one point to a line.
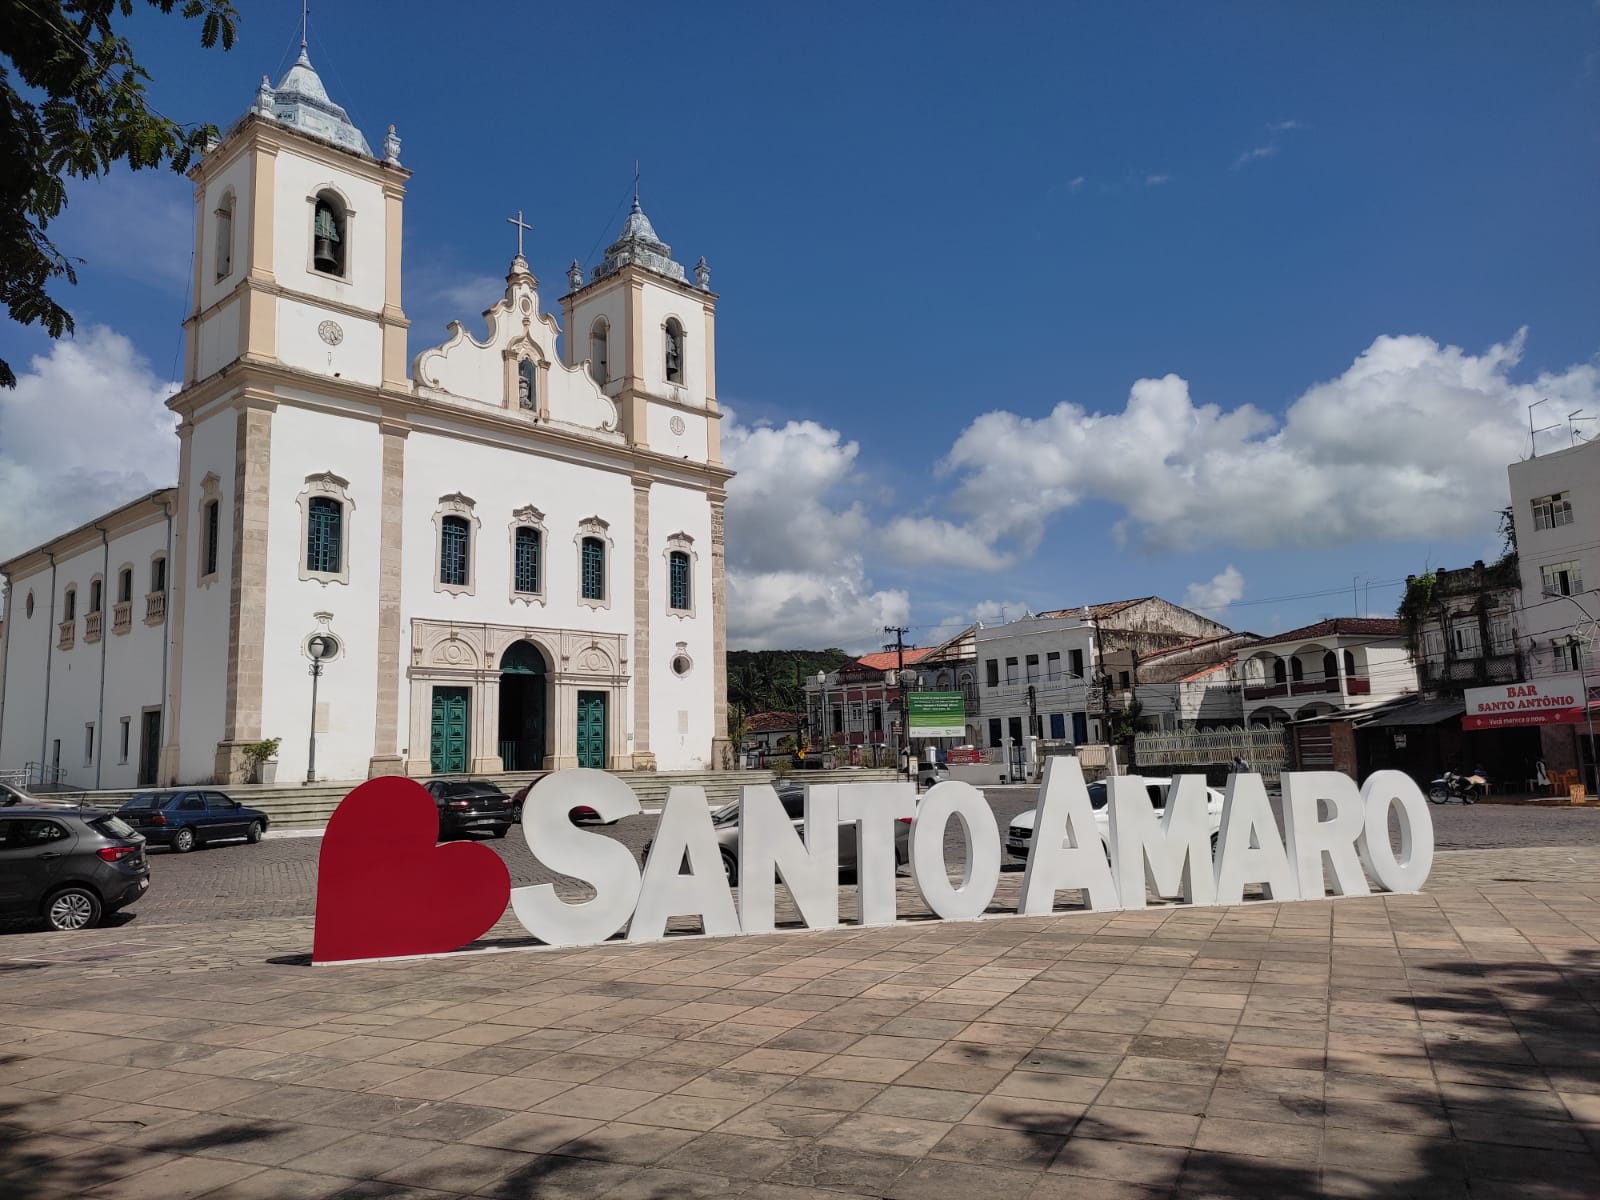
x=385, y=889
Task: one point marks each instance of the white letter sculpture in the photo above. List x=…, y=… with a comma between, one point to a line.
x=1249, y=849
x=602, y=862
x=1324, y=852
x=873, y=808
x=685, y=828
x=1067, y=851
x=1170, y=853
x=981, y=875
x=769, y=846
x=1409, y=871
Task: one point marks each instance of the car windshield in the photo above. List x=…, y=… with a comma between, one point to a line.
x=148, y=800
x=728, y=814
x=114, y=827
x=1097, y=795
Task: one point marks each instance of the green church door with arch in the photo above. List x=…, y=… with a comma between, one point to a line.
x=592, y=730
x=524, y=683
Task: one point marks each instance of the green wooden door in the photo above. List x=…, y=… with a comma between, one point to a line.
x=447, y=749
x=592, y=729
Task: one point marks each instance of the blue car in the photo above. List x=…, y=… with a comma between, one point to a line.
x=184, y=818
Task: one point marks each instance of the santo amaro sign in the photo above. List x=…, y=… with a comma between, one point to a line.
x=386, y=890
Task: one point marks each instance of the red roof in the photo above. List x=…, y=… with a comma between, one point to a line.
x=889, y=659
x=1210, y=670
x=1098, y=612
x=1340, y=627
x=773, y=722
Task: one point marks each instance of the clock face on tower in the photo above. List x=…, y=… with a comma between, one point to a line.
x=331, y=332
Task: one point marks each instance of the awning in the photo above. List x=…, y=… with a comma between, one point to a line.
x=1422, y=712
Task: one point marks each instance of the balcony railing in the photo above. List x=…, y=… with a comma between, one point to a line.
x=1354, y=685
x=122, y=617
x=69, y=635
x=92, y=623
x=155, y=608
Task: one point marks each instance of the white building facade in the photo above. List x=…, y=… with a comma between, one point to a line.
x=1331, y=666
x=516, y=548
x=1555, y=505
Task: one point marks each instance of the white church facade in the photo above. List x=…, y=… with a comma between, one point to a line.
x=516, y=548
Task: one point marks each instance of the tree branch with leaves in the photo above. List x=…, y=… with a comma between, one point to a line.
x=72, y=106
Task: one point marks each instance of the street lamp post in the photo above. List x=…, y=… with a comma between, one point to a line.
x=321, y=647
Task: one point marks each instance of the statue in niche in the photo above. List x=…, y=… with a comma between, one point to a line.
x=526, y=395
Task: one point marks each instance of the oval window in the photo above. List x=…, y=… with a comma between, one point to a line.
x=28, y=606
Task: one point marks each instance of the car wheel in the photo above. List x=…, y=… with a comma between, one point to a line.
x=72, y=908
x=183, y=841
x=499, y=831
x=253, y=834
x=516, y=815
x=730, y=868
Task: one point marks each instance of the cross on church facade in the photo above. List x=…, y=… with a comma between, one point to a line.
x=521, y=227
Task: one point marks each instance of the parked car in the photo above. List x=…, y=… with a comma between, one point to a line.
x=13, y=797
x=471, y=806
x=1019, y=836
x=725, y=822
x=68, y=869
x=931, y=773
x=184, y=818
x=581, y=812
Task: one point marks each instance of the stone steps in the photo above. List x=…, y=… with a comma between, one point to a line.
x=308, y=806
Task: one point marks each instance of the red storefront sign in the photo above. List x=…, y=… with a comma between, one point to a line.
x=1553, y=700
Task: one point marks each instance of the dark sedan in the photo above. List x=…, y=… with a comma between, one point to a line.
x=470, y=806
x=184, y=818
x=68, y=868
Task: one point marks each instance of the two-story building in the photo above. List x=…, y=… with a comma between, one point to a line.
x=1555, y=507
x=1462, y=626
x=1327, y=667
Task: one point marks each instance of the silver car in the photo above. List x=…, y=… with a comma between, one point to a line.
x=725, y=821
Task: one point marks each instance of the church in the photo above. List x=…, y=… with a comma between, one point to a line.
x=509, y=559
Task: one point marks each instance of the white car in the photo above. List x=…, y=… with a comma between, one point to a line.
x=1019, y=836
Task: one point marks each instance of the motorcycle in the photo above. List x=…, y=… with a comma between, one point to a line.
x=1452, y=786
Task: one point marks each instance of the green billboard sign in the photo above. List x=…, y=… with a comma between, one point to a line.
x=936, y=714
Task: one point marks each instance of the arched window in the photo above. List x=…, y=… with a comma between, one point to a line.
x=527, y=550
x=1330, y=665
x=94, y=595
x=597, y=351
x=125, y=586
x=674, y=350
x=1297, y=670
x=329, y=234
x=455, y=550
x=527, y=385
x=678, y=595
x=69, y=605
x=1349, y=663
x=594, y=569
x=224, y=250
x=324, y=535
x=1280, y=673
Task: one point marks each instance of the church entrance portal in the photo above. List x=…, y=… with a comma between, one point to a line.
x=524, y=687
x=592, y=730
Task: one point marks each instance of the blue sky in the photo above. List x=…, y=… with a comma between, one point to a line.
x=1365, y=234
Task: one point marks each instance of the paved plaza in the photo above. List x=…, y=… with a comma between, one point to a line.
x=1433, y=1045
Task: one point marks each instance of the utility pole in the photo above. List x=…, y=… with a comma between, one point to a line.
x=900, y=632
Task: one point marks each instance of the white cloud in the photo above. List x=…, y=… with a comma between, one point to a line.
x=1411, y=442
x=1212, y=597
x=796, y=557
x=1076, y=184
x=1285, y=126
x=914, y=540
x=87, y=429
x=471, y=296
x=1157, y=180
x=1250, y=156
x=1270, y=147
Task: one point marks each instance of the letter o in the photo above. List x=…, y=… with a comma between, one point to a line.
x=1407, y=871
x=969, y=899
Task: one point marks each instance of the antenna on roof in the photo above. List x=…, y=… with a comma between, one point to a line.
x=305, y=22
x=636, y=183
